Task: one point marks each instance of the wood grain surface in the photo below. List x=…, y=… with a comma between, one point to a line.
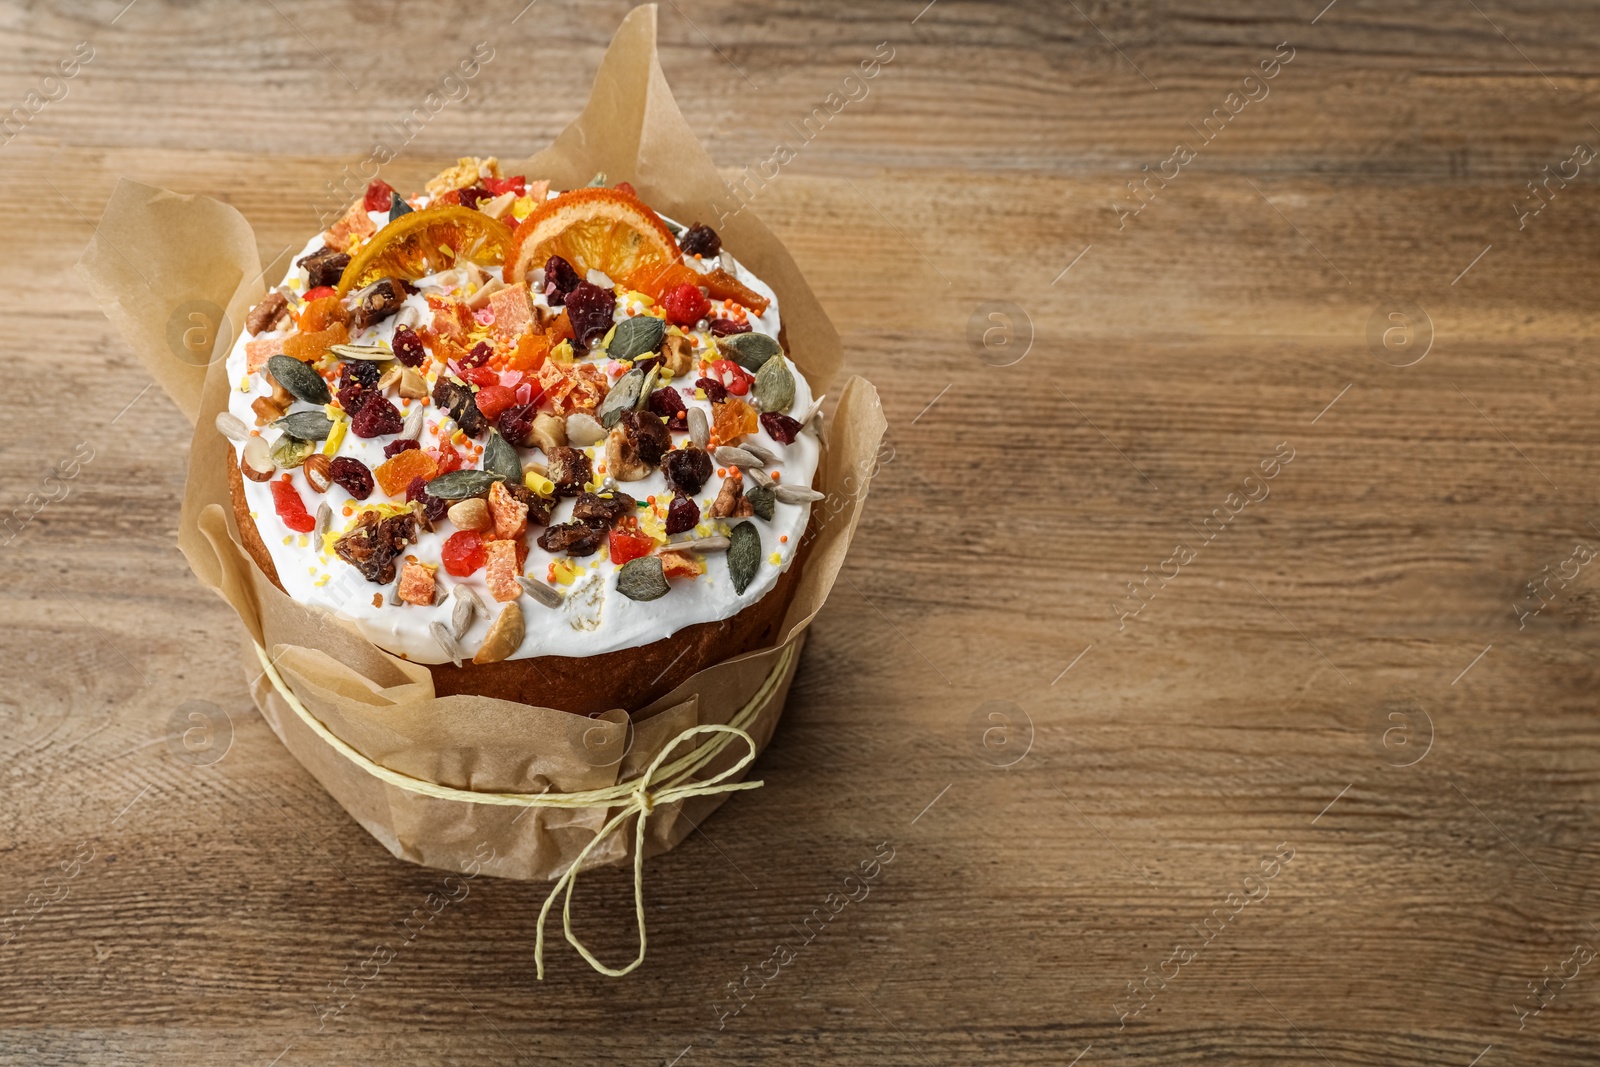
x=1373, y=674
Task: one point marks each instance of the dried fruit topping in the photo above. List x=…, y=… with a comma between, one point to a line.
x=394, y=448
x=372, y=546
x=267, y=314
x=312, y=346
x=593, y=509
x=463, y=553
x=457, y=399
x=290, y=508
x=323, y=267
x=358, y=372
x=682, y=514
x=668, y=403
x=686, y=304
x=727, y=327
x=626, y=546
x=782, y=428
x=732, y=419
x=316, y=469
x=716, y=392
x=352, y=396
x=570, y=470
x=376, y=418
x=573, y=538
x=589, y=309
x=417, y=585
x=681, y=565
x=700, y=239
x=499, y=186
x=478, y=356
x=408, y=347
x=500, y=574
x=559, y=280
x=351, y=475
x=515, y=423
x=735, y=378
x=687, y=469
x=646, y=435
x=396, y=473
x=724, y=286
x=642, y=579
x=472, y=195
x=377, y=302
x=433, y=508
x=493, y=399
x=380, y=194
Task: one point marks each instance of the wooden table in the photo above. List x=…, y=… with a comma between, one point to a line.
x=1320, y=789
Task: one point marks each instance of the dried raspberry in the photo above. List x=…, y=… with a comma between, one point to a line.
x=727, y=327
x=433, y=507
x=379, y=196
x=291, y=509
x=408, y=347
x=394, y=448
x=716, y=392
x=626, y=187
x=687, y=470
x=463, y=553
x=516, y=424
x=559, y=280
x=351, y=475
x=782, y=428
x=700, y=239
x=682, y=514
x=589, y=309
x=668, y=403
x=686, y=305
x=478, y=356
x=376, y=418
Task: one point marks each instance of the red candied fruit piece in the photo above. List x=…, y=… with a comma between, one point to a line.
x=782, y=428
x=500, y=186
x=734, y=377
x=686, y=304
x=449, y=459
x=481, y=376
x=626, y=546
x=493, y=399
x=291, y=509
x=319, y=292
x=380, y=194
x=463, y=553
x=716, y=392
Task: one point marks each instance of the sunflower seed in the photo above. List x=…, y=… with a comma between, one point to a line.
x=744, y=555
x=731, y=456
x=762, y=453
x=598, y=181
x=642, y=579
x=544, y=594
x=306, y=425
x=759, y=476
x=715, y=543
x=232, y=427
x=774, y=388
x=441, y=593
x=301, y=381
x=468, y=604
x=365, y=352
x=324, y=520
x=699, y=432
x=447, y=642
x=412, y=429
x=408, y=316
x=796, y=494
x=394, y=591
x=814, y=410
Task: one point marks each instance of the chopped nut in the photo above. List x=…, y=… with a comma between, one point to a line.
x=549, y=432
x=416, y=584
x=679, y=356
x=480, y=299
x=503, y=637
x=267, y=410
x=730, y=500
x=467, y=171
x=317, y=468
x=499, y=205
x=412, y=385
x=267, y=314
x=470, y=514
x=255, y=461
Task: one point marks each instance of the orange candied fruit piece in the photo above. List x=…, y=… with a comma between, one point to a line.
x=528, y=356
x=321, y=313
x=733, y=418
x=659, y=281
x=310, y=347
x=724, y=286
x=395, y=475
x=559, y=328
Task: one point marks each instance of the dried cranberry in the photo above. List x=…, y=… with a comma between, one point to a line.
x=700, y=239
x=516, y=424
x=559, y=280
x=727, y=327
x=644, y=363
x=394, y=448
x=478, y=356
x=433, y=507
x=782, y=428
x=408, y=347
x=646, y=434
x=376, y=418
x=473, y=194
x=682, y=514
x=716, y=392
x=589, y=309
x=687, y=469
x=352, y=396
x=668, y=403
x=351, y=475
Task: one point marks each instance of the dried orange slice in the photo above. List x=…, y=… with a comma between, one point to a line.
x=425, y=242
x=593, y=229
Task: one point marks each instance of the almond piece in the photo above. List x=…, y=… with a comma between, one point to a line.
x=470, y=514
x=549, y=432
x=503, y=637
x=413, y=386
x=255, y=462
x=317, y=468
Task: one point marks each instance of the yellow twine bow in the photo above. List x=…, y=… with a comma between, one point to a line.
x=637, y=796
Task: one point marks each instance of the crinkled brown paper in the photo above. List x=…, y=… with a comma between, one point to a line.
x=383, y=706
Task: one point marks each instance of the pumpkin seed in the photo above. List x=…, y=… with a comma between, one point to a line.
x=774, y=388
x=716, y=543
x=699, y=432
x=503, y=637
x=302, y=382
x=499, y=457
x=366, y=352
x=232, y=427
x=544, y=594
x=731, y=456
x=796, y=494
x=636, y=336
x=642, y=579
x=763, y=500
x=306, y=425
x=411, y=430
x=744, y=555
x=447, y=642
x=289, y=452
x=750, y=350
x=458, y=485
x=624, y=396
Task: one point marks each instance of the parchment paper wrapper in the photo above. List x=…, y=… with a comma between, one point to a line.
x=164, y=266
